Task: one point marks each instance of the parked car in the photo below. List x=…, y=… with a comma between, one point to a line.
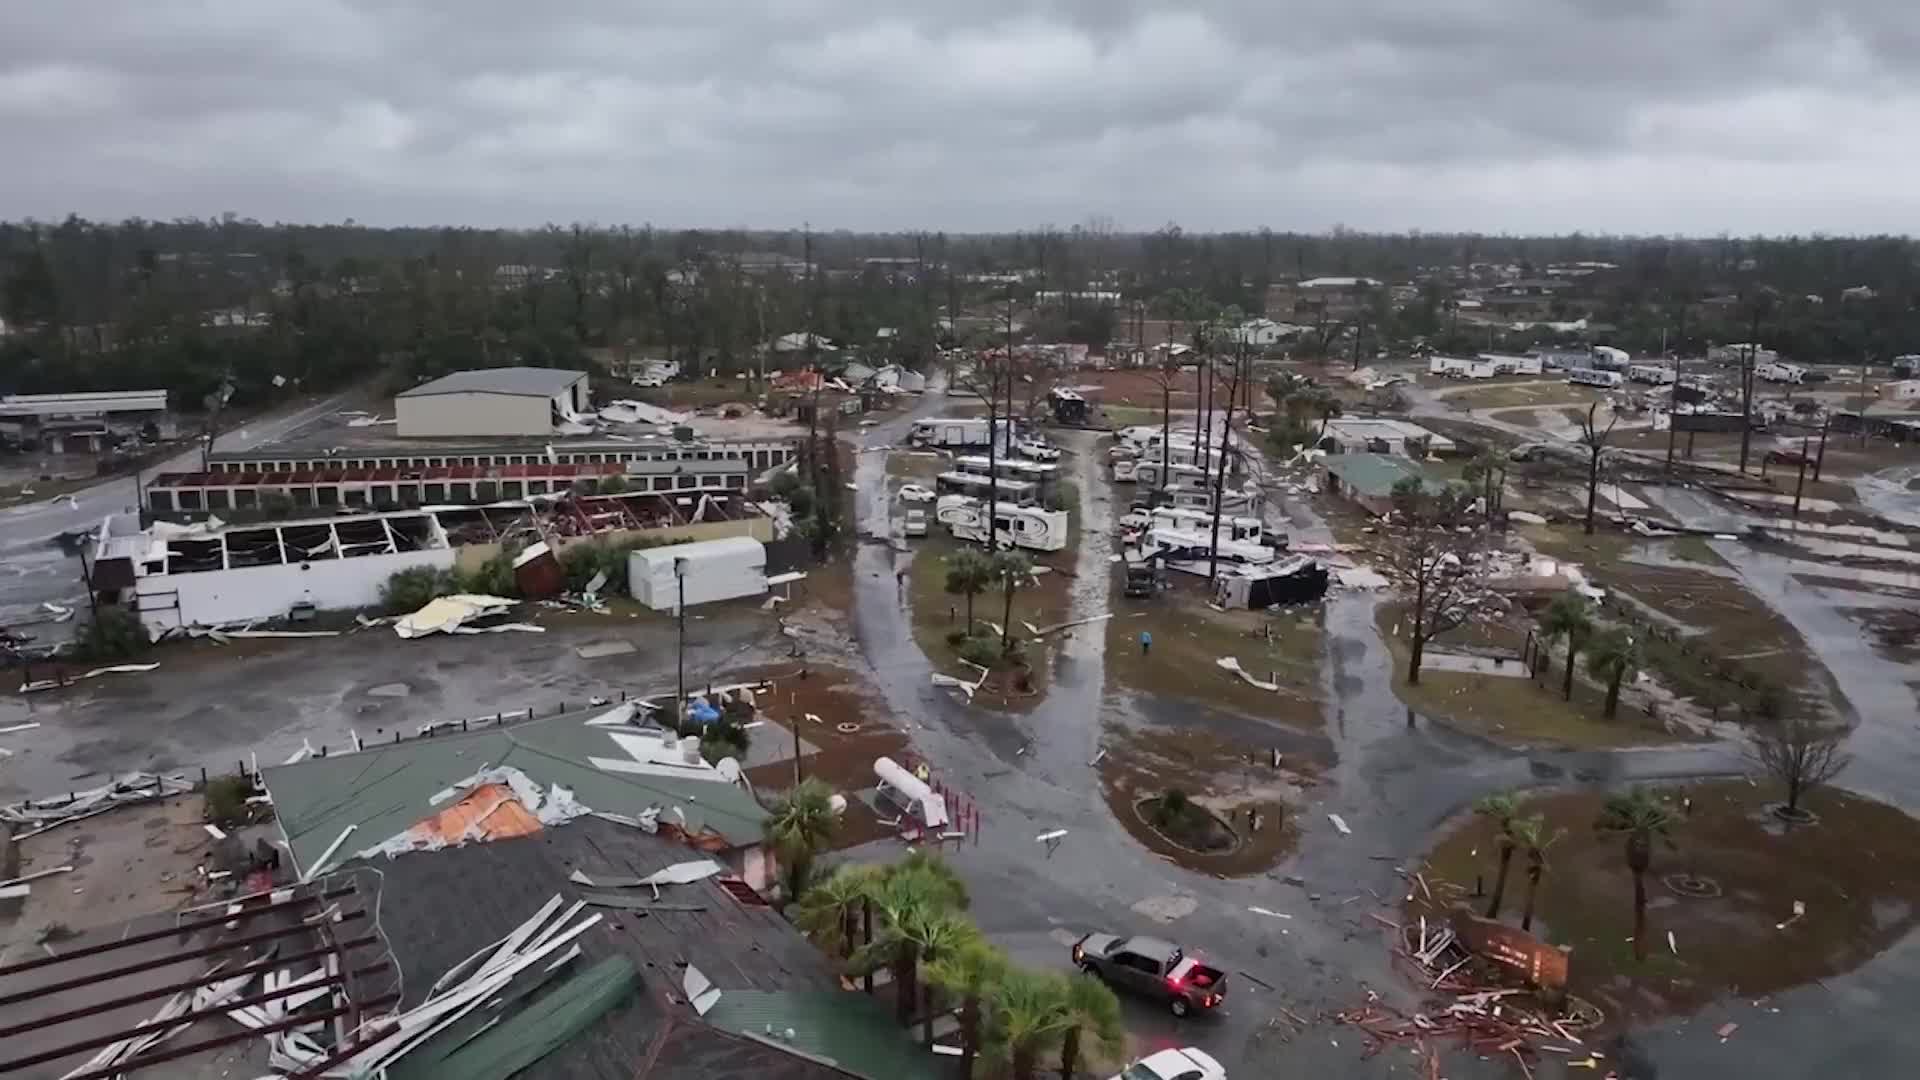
x=1787, y=457
x=916, y=493
x=649, y=381
x=915, y=523
x=1037, y=450
x=1186, y=1064
x=1153, y=968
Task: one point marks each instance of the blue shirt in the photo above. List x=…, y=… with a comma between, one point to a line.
x=1146, y=638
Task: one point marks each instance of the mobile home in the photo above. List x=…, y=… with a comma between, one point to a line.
x=1651, y=374
x=1792, y=374
x=953, y=432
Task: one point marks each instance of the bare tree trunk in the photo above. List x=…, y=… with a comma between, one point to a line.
x=1220, y=476
x=1639, y=914
x=1500, y=881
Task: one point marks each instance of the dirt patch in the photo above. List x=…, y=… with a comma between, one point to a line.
x=1895, y=632
x=1219, y=775
x=843, y=758
x=1180, y=820
x=1543, y=394
x=1514, y=710
x=1861, y=895
x=935, y=613
x=1190, y=637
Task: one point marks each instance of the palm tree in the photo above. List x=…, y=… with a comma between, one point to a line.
x=1092, y=1009
x=1028, y=1009
x=1571, y=616
x=802, y=822
x=1640, y=815
x=910, y=896
x=971, y=971
x=1531, y=834
x=1013, y=571
x=969, y=572
x=826, y=912
x=1489, y=470
x=1613, y=656
x=937, y=934
x=1502, y=810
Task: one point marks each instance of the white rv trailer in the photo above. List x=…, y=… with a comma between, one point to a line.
x=1651, y=374
x=1200, y=497
x=1455, y=367
x=1008, y=468
x=1608, y=358
x=1232, y=527
x=955, y=432
x=974, y=484
x=1019, y=526
x=1510, y=364
x=1590, y=377
x=1188, y=552
x=1147, y=471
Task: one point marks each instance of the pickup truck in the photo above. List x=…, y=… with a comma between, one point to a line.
x=1153, y=968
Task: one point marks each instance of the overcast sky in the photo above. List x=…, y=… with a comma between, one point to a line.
x=1692, y=116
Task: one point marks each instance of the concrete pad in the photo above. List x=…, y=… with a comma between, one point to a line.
x=1166, y=909
x=600, y=649
x=1478, y=665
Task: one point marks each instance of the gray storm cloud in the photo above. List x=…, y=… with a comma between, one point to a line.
x=1604, y=115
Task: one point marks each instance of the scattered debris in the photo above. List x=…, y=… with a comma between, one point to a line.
x=1269, y=914
x=131, y=788
x=451, y=614
x=1340, y=823
x=1232, y=664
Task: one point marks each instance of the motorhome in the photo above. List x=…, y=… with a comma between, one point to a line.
x=1028, y=527
x=1147, y=471
x=1651, y=374
x=1508, y=364
x=1591, y=377
x=953, y=432
x=977, y=485
x=1454, y=367
x=1200, y=497
x=1792, y=374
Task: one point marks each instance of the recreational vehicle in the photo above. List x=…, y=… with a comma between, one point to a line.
x=1243, y=528
x=952, y=432
x=1608, y=358
x=1590, y=377
x=1017, y=526
x=1507, y=364
x=974, y=484
x=1006, y=468
x=1651, y=374
x=1200, y=497
x=1190, y=552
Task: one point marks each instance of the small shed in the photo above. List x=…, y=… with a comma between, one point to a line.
x=492, y=401
x=1368, y=480
x=712, y=570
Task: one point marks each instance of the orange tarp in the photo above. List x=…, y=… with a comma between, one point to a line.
x=488, y=812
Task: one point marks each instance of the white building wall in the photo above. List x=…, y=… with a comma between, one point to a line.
x=439, y=415
x=269, y=592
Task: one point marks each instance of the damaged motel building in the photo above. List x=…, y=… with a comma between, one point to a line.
x=211, y=573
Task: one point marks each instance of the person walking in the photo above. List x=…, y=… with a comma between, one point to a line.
x=1146, y=643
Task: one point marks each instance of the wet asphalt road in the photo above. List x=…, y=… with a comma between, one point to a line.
x=1395, y=783
x=34, y=570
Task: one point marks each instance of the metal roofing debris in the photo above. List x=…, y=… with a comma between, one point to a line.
x=851, y=1031
x=512, y=381
x=507, y=1046
x=130, y=788
x=388, y=789
x=1374, y=475
x=450, y=613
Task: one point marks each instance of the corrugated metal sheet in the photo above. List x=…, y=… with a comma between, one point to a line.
x=851, y=1030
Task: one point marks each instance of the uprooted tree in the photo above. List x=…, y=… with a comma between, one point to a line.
x=1431, y=557
x=1798, y=751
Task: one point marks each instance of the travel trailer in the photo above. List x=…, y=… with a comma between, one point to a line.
x=953, y=432
x=1187, y=552
x=1007, y=491
x=1792, y=374
x=1606, y=380
x=1006, y=468
x=1019, y=526
x=1651, y=374
x=1296, y=580
x=1232, y=527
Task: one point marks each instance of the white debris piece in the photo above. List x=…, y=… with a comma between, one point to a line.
x=449, y=613
x=1232, y=664
x=1340, y=823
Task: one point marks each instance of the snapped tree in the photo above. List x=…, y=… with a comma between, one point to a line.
x=1571, y=617
x=1503, y=811
x=1594, y=438
x=1431, y=556
x=1613, y=658
x=1532, y=836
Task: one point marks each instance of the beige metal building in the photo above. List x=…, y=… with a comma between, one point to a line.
x=492, y=401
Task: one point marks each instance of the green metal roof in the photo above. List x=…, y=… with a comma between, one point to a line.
x=1375, y=474
x=850, y=1030
x=385, y=790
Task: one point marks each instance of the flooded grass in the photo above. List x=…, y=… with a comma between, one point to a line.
x=1857, y=872
x=1514, y=709
x=1189, y=638
x=1225, y=777
x=933, y=613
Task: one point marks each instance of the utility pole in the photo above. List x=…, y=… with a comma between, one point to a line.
x=1746, y=388
x=680, y=616
x=1865, y=359
x=994, y=376
x=1801, y=484
x=1821, y=461
x=1220, y=475
x=1673, y=416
